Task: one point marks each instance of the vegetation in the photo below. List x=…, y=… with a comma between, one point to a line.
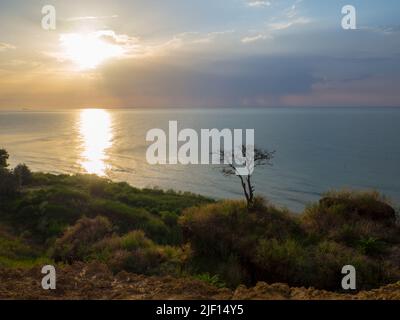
x=67, y=218
x=272, y=245
x=14, y=252
x=213, y=280
x=12, y=180
x=3, y=158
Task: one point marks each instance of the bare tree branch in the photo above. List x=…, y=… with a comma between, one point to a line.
x=230, y=168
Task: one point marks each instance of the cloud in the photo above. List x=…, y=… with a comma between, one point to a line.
x=258, y=3
x=289, y=17
x=257, y=80
x=128, y=42
x=190, y=38
x=255, y=38
x=16, y=65
x=288, y=23
x=292, y=11
x=162, y=65
x=123, y=46
x=185, y=42
x=86, y=18
x=218, y=83
x=108, y=42
x=5, y=46
x=390, y=29
x=368, y=91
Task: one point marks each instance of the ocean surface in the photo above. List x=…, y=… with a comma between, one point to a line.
x=317, y=149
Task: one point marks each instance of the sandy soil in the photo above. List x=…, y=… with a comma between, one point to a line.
x=95, y=281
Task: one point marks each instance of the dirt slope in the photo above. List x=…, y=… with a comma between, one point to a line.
x=94, y=281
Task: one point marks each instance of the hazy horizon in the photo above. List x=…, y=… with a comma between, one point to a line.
x=188, y=108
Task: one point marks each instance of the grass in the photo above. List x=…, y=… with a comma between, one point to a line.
x=212, y=280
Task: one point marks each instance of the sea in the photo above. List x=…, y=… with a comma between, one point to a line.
x=316, y=149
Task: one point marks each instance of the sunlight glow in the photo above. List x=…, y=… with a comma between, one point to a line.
x=95, y=129
x=88, y=50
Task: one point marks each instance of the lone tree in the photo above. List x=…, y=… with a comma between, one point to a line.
x=260, y=157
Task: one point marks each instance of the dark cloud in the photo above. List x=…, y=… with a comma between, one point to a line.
x=229, y=81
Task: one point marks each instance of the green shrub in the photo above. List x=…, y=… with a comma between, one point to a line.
x=16, y=253
x=134, y=252
x=23, y=174
x=280, y=261
x=8, y=184
x=371, y=246
x=368, y=205
x=348, y=217
x=76, y=243
x=224, y=237
x=46, y=213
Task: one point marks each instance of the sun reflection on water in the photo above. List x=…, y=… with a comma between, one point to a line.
x=95, y=129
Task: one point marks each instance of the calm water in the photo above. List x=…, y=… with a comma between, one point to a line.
x=317, y=149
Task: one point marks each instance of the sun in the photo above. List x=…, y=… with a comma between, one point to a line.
x=88, y=51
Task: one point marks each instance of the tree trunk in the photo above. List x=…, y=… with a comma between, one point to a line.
x=246, y=194
x=250, y=190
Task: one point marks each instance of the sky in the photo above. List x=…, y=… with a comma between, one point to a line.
x=203, y=54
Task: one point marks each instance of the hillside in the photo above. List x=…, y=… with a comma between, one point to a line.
x=83, y=220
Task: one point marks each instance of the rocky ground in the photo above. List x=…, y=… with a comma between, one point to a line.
x=95, y=281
